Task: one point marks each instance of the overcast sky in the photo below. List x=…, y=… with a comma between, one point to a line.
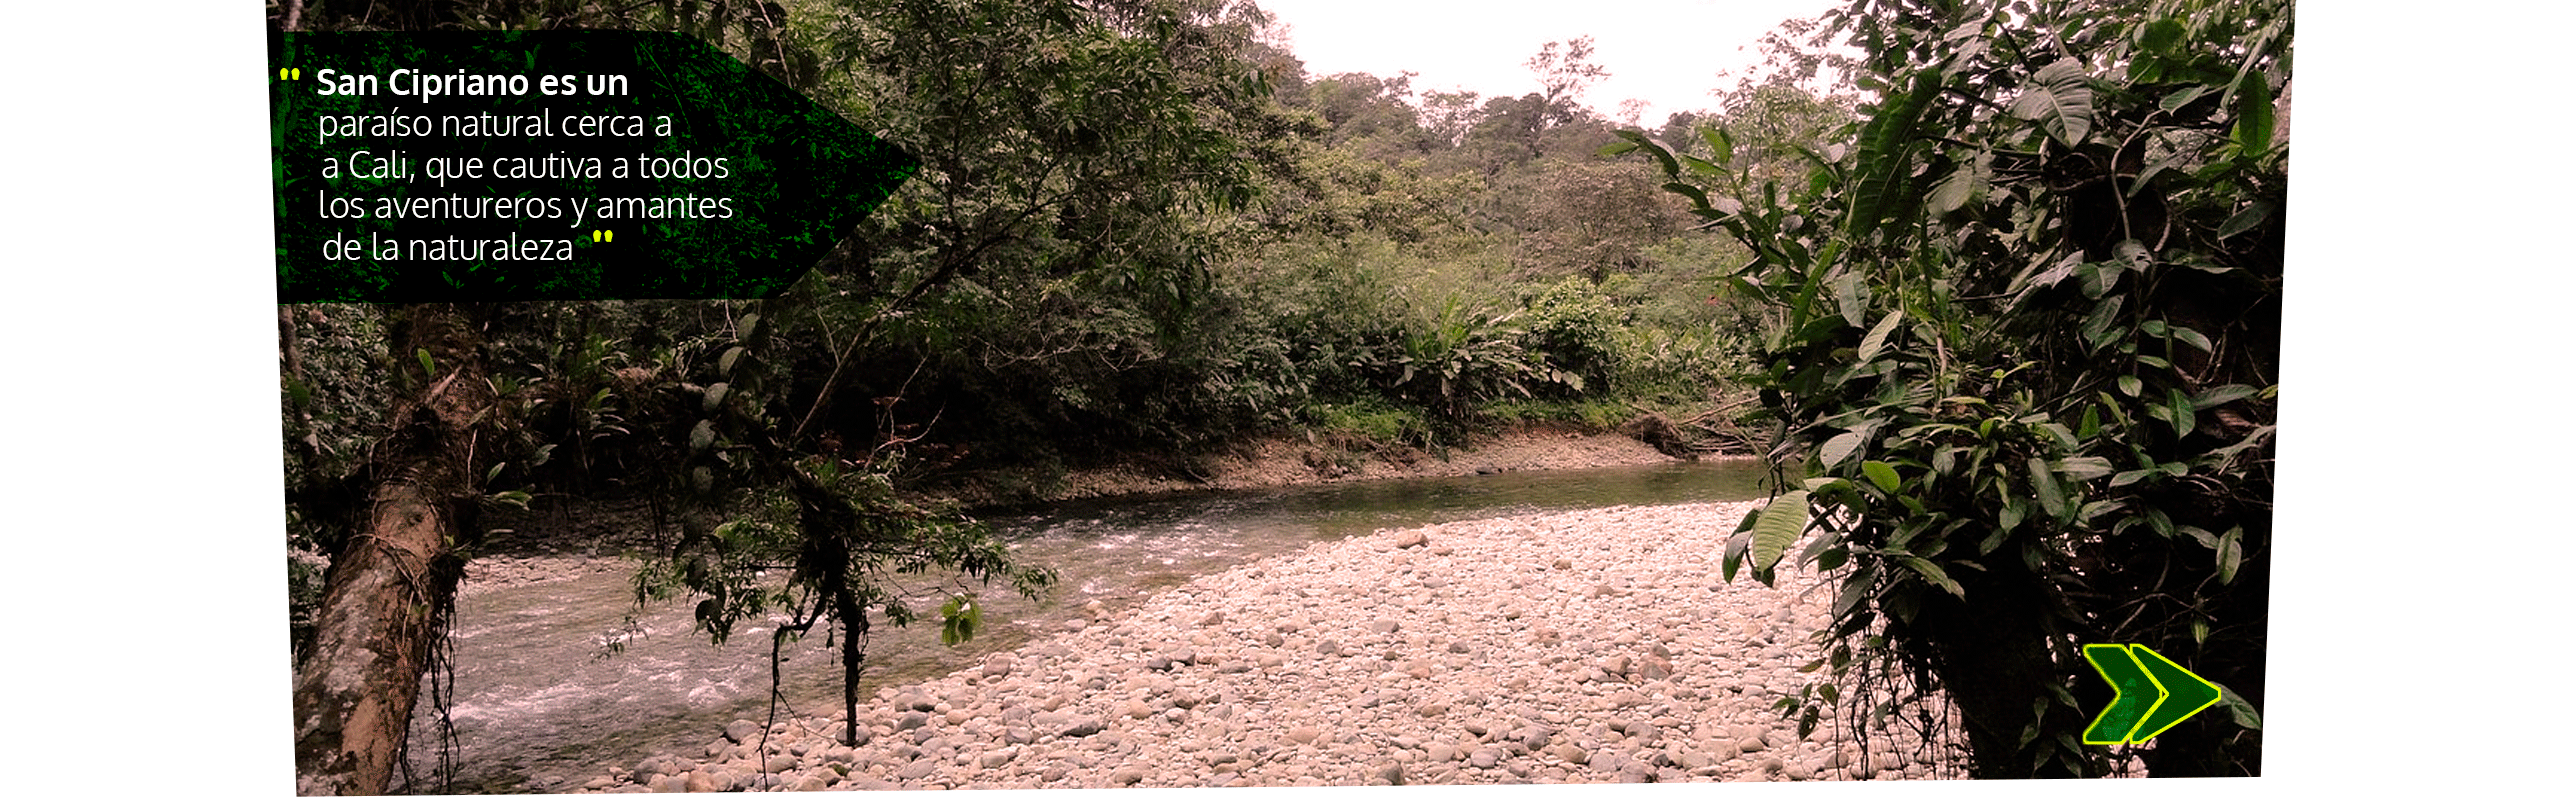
x=1668, y=52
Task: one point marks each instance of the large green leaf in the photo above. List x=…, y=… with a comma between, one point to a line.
x=2048, y=494
x=2226, y=556
x=2058, y=100
x=2223, y=394
x=1961, y=188
x=1780, y=523
x=1882, y=475
x=1874, y=343
x=2182, y=413
x=1851, y=289
x=1717, y=139
x=2083, y=468
x=701, y=436
x=1840, y=447
x=1931, y=572
x=1636, y=140
x=1735, y=548
x=1884, y=151
x=2163, y=37
x=1853, y=592
x=2242, y=713
x=1739, y=544
x=2253, y=115
x=2246, y=218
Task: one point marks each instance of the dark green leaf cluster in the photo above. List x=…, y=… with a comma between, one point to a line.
x=2025, y=357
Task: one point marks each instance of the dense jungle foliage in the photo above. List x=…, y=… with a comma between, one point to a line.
x=1142, y=233
x=2025, y=362
x=2005, y=290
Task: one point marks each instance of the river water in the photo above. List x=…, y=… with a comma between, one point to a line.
x=537, y=705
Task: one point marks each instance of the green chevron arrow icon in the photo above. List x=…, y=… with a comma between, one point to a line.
x=2152, y=694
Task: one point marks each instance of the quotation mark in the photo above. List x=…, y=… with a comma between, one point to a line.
x=288, y=73
x=600, y=236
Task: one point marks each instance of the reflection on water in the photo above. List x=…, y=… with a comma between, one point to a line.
x=537, y=708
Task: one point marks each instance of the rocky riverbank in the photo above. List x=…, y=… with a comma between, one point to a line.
x=1590, y=646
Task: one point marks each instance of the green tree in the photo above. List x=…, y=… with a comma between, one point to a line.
x=2025, y=363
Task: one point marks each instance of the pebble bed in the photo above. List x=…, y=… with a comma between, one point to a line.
x=1577, y=647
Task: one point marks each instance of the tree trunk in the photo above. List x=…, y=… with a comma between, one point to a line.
x=1995, y=661
x=391, y=583
x=857, y=625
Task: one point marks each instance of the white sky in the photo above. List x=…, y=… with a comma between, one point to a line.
x=1668, y=52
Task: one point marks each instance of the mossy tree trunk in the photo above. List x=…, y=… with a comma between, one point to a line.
x=391, y=582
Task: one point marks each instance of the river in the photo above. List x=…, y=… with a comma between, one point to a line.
x=538, y=706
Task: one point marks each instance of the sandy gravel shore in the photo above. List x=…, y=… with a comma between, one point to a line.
x=1588, y=646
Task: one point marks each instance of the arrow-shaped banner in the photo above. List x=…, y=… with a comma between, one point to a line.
x=2152, y=694
x=552, y=165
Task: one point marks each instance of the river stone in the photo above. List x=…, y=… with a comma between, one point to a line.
x=1485, y=758
x=1572, y=753
x=810, y=783
x=1128, y=776
x=708, y=780
x=779, y=764
x=916, y=770
x=1656, y=668
x=741, y=730
x=1606, y=762
x=1305, y=734
x=1392, y=773
x=1536, y=737
x=1411, y=539
x=1083, y=726
x=913, y=720
x=666, y=784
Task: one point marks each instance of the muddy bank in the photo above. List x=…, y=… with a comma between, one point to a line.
x=1271, y=463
